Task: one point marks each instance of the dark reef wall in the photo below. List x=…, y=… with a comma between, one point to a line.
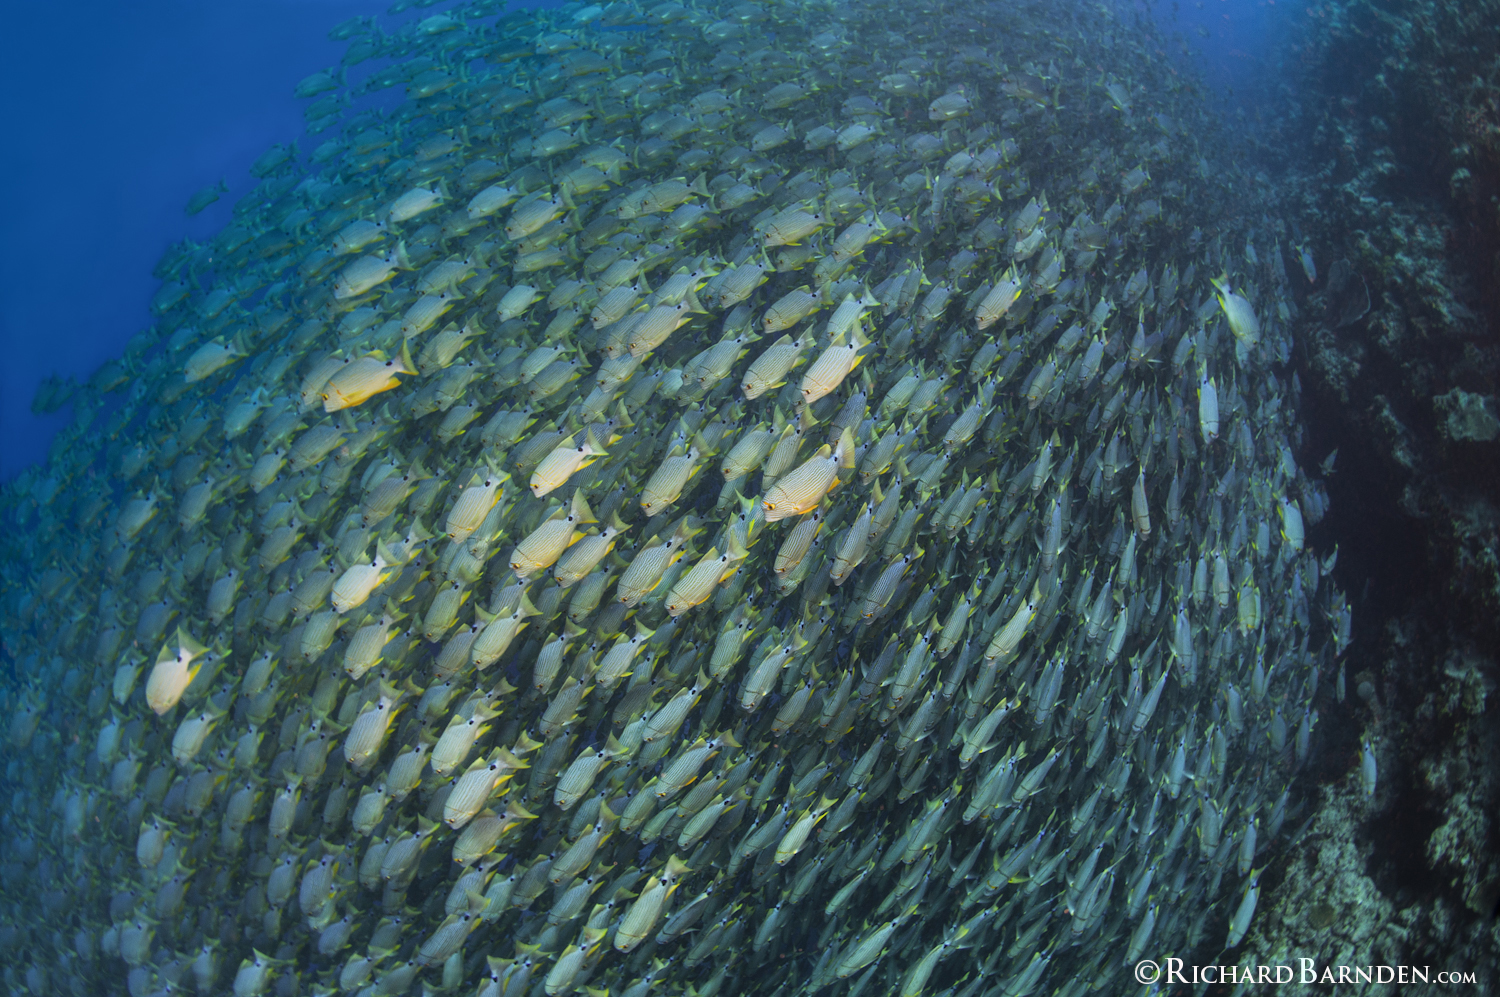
x=1395, y=122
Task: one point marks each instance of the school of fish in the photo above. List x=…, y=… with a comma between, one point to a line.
x=696, y=499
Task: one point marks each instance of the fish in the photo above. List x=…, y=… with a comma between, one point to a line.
x=473, y=504
x=368, y=732
x=583, y=557
x=1208, y=409
x=210, y=358
x=357, y=382
x=727, y=718
x=358, y=582
x=368, y=272
x=791, y=308
x=803, y=488
x=645, y=570
x=697, y=584
x=174, y=671
x=543, y=546
x=837, y=362
x=562, y=463
x=206, y=196
x=769, y=370
x=1239, y=314
x=998, y=301
x=671, y=476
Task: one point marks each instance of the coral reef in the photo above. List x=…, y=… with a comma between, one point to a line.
x=1389, y=128
x=1406, y=877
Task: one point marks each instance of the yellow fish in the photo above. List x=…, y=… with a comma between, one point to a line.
x=358, y=381
x=544, y=545
x=801, y=489
x=563, y=462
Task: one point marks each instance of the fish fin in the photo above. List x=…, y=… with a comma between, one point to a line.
x=580, y=510
x=188, y=645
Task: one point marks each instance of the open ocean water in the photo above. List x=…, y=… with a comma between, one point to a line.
x=174, y=98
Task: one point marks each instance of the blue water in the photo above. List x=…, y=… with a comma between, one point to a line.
x=1233, y=41
x=115, y=114
x=119, y=113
